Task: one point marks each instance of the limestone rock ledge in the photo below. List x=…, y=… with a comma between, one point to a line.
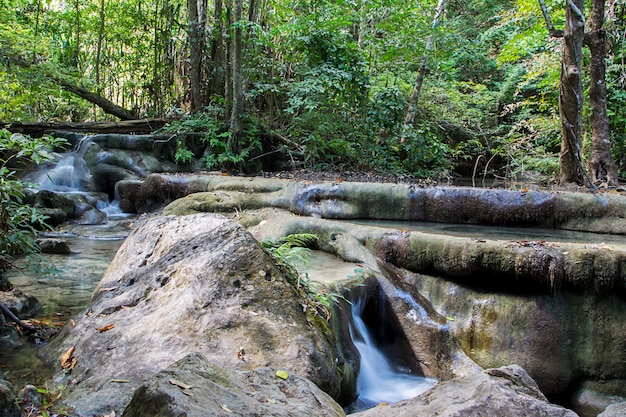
x=496, y=392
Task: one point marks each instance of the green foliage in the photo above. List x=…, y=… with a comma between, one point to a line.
x=19, y=222
x=293, y=250
x=333, y=77
x=210, y=123
x=333, y=73
x=425, y=152
x=183, y=155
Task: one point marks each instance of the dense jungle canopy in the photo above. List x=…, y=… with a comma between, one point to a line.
x=425, y=88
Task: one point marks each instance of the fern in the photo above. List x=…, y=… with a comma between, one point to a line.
x=294, y=250
x=291, y=249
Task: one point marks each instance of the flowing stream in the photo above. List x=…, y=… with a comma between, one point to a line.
x=380, y=380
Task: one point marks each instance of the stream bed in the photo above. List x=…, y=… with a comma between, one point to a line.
x=93, y=248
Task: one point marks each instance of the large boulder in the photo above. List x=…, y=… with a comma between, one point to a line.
x=193, y=387
x=496, y=392
x=180, y=285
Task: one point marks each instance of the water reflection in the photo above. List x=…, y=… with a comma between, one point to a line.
x=68, y=293
x=497, y=233
x=62, y=297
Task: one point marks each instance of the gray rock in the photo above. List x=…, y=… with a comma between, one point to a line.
x=180, y=285
x=8, y=406
x=614, y=410
x=21, y=304
x=56, y=246
x=215, y=391
x=497, y=392
x=29, y=396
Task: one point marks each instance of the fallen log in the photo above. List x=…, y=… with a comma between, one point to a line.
x=125, y=127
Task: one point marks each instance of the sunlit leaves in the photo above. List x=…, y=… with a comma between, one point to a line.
x=19, y=222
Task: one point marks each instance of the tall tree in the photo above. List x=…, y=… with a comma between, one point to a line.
x=601, y=165
x=217, y=51
x=99, y=46
x=237, y=87
x=197, y=23
x=409, y=119
x=571, y=94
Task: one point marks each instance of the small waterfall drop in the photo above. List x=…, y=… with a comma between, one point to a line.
x=112, y=208
x=380, y=380
x=69, y=174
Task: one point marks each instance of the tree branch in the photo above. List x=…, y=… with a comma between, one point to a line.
x=106, y=105
x=554, y=33
x=9, y=314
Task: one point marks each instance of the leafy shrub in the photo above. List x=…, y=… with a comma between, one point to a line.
x=19, y=222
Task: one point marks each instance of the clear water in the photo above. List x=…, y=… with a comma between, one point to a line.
x=63, y=296
x=69, y=292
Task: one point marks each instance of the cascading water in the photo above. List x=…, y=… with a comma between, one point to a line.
x=69, y=174
x=380, y=380
x=112, y=208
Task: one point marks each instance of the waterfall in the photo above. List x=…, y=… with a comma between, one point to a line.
x=69, y=174
x=112, y=208
x=379, y=379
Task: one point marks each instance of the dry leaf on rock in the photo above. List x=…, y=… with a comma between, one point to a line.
x=105, y=328
x=68, y=361
x=181, y=384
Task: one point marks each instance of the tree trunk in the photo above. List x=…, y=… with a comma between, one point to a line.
x=409, y=119
x=196, y=52
x=76, y=54
x=228, y=52
x=37, y=129
x=217, y=51
x=237, y=96
x=99, y=47
x=571, y=95
x=601, y=164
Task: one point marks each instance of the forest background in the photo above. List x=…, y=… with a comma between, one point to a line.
x=456, y=88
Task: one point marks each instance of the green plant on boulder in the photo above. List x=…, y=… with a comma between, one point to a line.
x=293, y=250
